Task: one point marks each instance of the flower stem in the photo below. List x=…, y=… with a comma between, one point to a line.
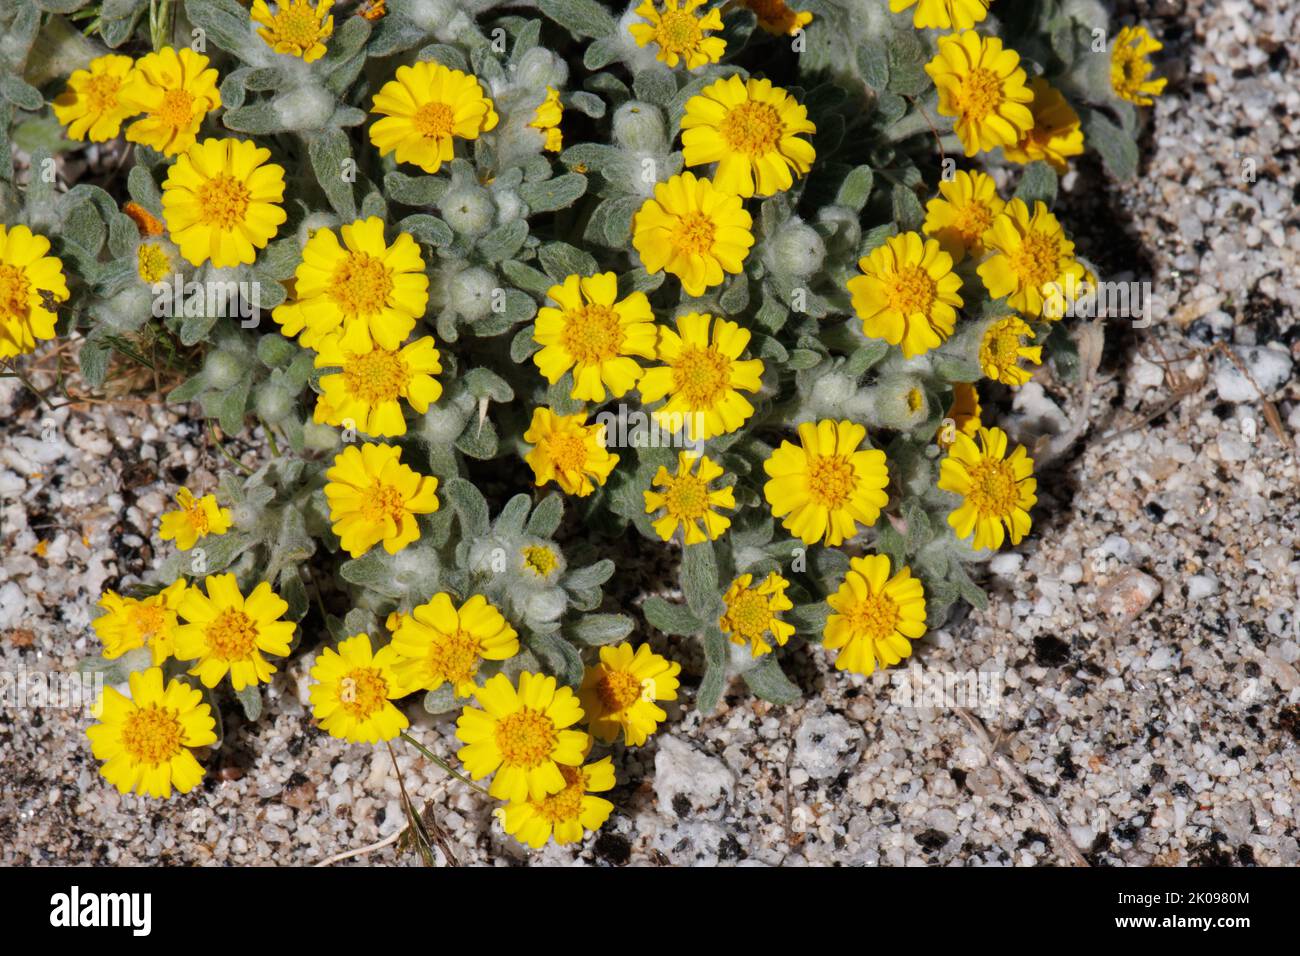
x=442, y=763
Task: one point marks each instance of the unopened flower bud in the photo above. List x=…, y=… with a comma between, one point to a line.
x=640, y=126
x=468, y=210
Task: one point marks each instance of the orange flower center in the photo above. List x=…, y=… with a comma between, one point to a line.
x=911, y=291
x=749, y=614
x=224, y=202
x=363, y=692
x=687, y=498
x=377, y=376
x=15, y=291
x=361, y=285
x=993, y=490
x=1038, y=260
x=694, y=233
x=874, y=617
x=679, y=32
x=298, y=24
x=101, y=92
x=701, y=376
x=753, y=128
x=454, y=657
x=569, y=452
x=434, y=120
x=232, y=635
x=539, y=559
x=148, y=619
x=592, y=334
x=152, y=735
x=525, y=738
x=830, y=480
x=176, y=108
x=198, y=518
x=972, y=221
x=618, y=690
x=980, y=94
x=385, y=502
x=567, y=804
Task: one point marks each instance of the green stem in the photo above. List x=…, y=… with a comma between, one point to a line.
x=270, y=437
x=442, y=763
x=212, y=428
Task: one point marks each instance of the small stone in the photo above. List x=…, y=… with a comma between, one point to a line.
x=1270, y=368
x=688, y=782
x=825, y=746
x=1129, y=595
x=1201, y=586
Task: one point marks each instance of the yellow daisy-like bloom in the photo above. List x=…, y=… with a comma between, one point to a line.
x=1056, y=134
x=354, y=690
x=175, y=89
x=753, y=613
x=129, y=623
x=944, y=14
x=750, y=128
x=688, y=502
x=678, y=33
x=567, y=815
x=702, y=377
x=568, y=451
x=826, y=485
x=963, y=413
x=31, y=286
x=1130, y=70
x=297, y=27
x=875, y=616
x=694, y=230
x=594, y=335
x=372, y=381
x=775, y=17
x=963, y=211
x=226, y=633
x=145, y=739
x=983, y=86
x=998, y=489
x=91, y=107
x=362, y=280
x=374, y=498
x=907, y=294
x=1002, y=348
x=438, y=643
x=221, y=201
x=618, y=695
x=1032, y=256
x=152, y=262
x=547, y=119
x=424, y=108
x=197, y=518
x=522, y=735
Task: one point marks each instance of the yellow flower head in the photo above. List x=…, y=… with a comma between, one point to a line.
x=226, y=633
x=354, y=689
x=568, y=451
x=197, y=518
x=374, y=498
x=424, y=108
x=826, y=485
x=1056, y=134
x=91, y=106
x=175, y=89
x=594, y=335
x=963, y=211
x=438, y=643
x=688, y=502
x=944, y=14
x=753, y=613
x=619, y=693
x=152, y=262
x=907, y=294
x=874, y=616
x=361, y=281
x=129, y=623
x=1002, y=348
x=678, y=33
x=547, y=119
x=694, y=230
x=750, y=128
x=983, y=86
x=1130, y=68
x=539, y=559
x=963, y=414
x=297, y=27
x=567, y=815
x=145, y=739
x=1032, y=256
x=371, y=382
x=775, y=17
x=31, y=286
x=523, y=735
x=998, y=490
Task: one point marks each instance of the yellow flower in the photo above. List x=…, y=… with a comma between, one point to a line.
x=678, y=33
x=1002, y=348
x=998, y=489
x=424, y=108
x=907, y=294
x=175, y=89
x=944, y=14
x=569, y=814
x=619, y=693
x=296, y=28
x=693, y=230
x=983, y=86
x=775, y=17
x=875, y=616
x=226, y=633
x=963, y=211
x=152, y=262
x=688, y=502
x=750, y=129
x=1130, y=70
x=145, y=739
x=129, y=623
x=438, y=643
x=1056, y=134
x=826, y=484
x=1032, y=256
x=353, y=691
x=221, y=201
x=372, y=381
x=702, y=377
x=91, y=106
x=547, y=119
x=568, y=452
x=374, y=498
x=593, y=334
x=362, y=281
x=197, y=518
x=539, y=559
x=963, y=414
x=31, y=286
x=753, y=613
x=522, y=735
